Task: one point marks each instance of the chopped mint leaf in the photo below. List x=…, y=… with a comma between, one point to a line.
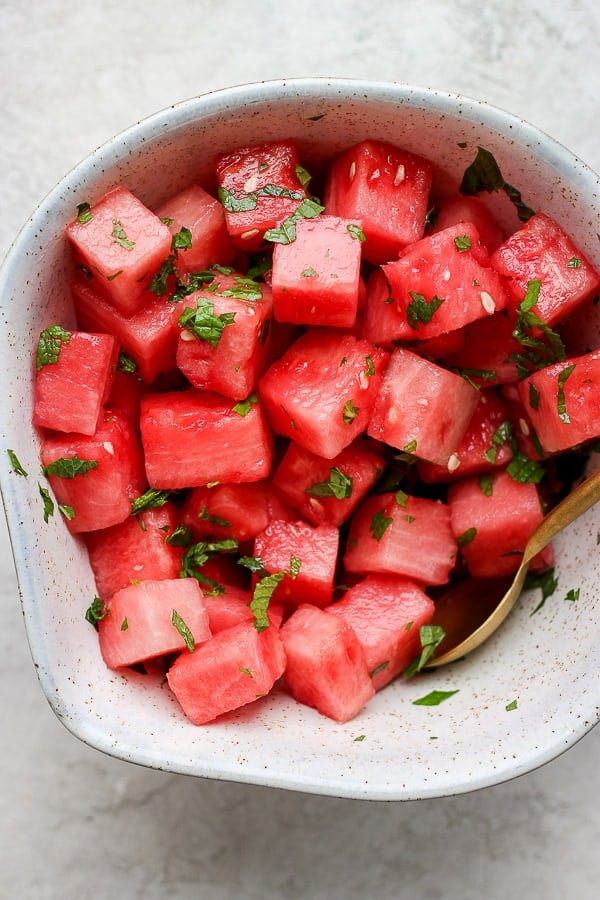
x=484, y=174
x=295, y=565
x=126, y=363
x=421, y=311
x=510, y=706
x=434, y=698
x=70, y=466
x=95, y=612
x=254, y=564
x=349, y=412
x=431, y=636
x=124, y=624
x=233, y=204
x=466, y=537
x=67, y=511
x=198, y=554
x=380, y=668
x=379, y=524
x=338, y=485
x=213, y=520
x=261, y=597
x=309, y=273
x=50, y=341
x=573, y=595
x=357, y=232
x=181, y=240
x=158, y=284
x=203, y=323
x=303, y=176
x=118, y=233
x=244, y=406
x=524, y=470
x=47, y=501
x=83, y=213
x=16, y=465
x=150, y=499
x=534, y=396
x=574, y=263
x=184, y=631
x=462, y=242
x=546, y=581
x=285, y=233
x=563, y=415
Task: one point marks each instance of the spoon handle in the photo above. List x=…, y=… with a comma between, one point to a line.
x=581, y=498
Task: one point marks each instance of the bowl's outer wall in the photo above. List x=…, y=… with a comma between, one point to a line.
x=548, y=662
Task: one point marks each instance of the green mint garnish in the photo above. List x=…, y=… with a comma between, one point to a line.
x=203, y=323
x=83, y=213
x=95, y=612
x=431, y=637
x=70, y=466
x=50, y=341
x=184, y=631
x=434, y=698
x=421, y=311
x=118, y=233
x=379, y=524
x=16, y=465
x=338, y=485
x=244, y=406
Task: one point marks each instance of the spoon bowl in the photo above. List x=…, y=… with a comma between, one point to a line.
x=578, y=501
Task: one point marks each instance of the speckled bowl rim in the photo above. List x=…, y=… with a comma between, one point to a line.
x=351, y=779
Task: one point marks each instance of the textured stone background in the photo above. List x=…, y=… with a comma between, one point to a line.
x=76, y=824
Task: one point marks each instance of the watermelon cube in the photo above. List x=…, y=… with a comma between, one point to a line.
x=94, y=478
x=237, y=666
x=396, y=534
x=493, y=526
x=443, y=282
x=316, y=277
x=307, y=554
x=193, y=438
x=259, y=188
x=561, y=402
x=460, y=209
x=386, y=613
x=151, y=619
x=149, y=336
x=326, y=666
x=201, y=213
x=422, y=408
x=542, y=251
x=384, y=187
x=73, y=379
x=238, y=511
x=326, y=492
x=489, y=350
x=121, y=244
x=134, y=550
x=232, y=607
x=323, y=389
x=484, y=444
x=223, y=343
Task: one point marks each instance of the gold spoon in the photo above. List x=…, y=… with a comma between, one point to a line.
x=581, y=498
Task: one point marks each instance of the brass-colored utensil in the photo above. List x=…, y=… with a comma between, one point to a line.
x=581, y=498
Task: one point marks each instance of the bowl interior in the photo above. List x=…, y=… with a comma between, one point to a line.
x=548, y=662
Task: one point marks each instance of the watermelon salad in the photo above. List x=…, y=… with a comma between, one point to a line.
x=291, y=414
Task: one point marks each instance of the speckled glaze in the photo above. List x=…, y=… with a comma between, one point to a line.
x=548, y=662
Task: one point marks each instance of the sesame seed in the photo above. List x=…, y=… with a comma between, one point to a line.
x=251, y=184
x=487, y=301
x=187, y=335
x=352, y=171
x=524, y=427
x=248, y=235
x=400, y=174
x=109, y=447
x=453, y=463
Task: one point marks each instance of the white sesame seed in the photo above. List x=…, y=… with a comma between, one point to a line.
x=453, y=463
x=524, y=427
x=352, y=171
x=187, y=335
x=109, y=447
x=487, y=301
x=400, y=174
x=251, y=184
x=446, y=276
x=247, y=235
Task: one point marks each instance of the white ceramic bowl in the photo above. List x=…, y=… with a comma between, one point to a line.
x=548, y=662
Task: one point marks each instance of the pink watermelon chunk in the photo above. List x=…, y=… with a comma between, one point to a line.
x=234, y=668
x=316, y=277
x=151, y=619
x=200, y=212
x=71, y=390
x=396, y=534
x=387, y=189
x=134, y=550
x=326, y=666
x=308, y=554
x=422, y=408
x=386, y=614
x=322, y=391
x=493, y=527
x=121, y=244
x=542, y=251
x=94, y=478
x=193, y=438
